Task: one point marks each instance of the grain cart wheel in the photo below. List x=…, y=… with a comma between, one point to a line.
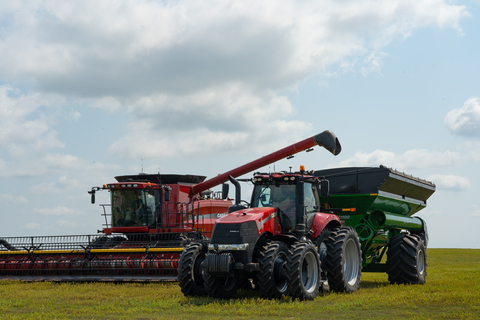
x=271, y=278
x=344, y=260
x=220, y=287
x=303, y=271
x=189, y=269
x=406, y=259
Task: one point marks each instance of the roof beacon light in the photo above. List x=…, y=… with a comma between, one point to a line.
x=302, y=168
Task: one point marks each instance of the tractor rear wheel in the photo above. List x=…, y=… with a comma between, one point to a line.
x=189, y=269
x=303, y=271
x=344, y=260
x=220, y=287
x=406, y=259
x=271, y=278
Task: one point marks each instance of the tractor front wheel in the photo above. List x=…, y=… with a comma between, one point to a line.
x=271, y=278
x=303, y=271
x=220, y=287
x=189, y=269
x=344, y=260
x=406, y=259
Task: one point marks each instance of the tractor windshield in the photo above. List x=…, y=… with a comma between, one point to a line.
x=281, y=196
x=132, y=207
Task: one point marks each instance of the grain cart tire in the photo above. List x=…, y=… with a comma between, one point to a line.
x=303, y=271
x=271, y=278
x=189, y=269
x=344, y=260
x=406, y=260
x=220, y=287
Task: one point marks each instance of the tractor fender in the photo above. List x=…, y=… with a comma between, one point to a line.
x=321, y=220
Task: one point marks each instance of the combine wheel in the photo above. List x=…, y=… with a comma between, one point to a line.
x=220, y=287
x=344, y=260
x=271, y=278
x=189, y=269
x=406, y=259
x=303, y=271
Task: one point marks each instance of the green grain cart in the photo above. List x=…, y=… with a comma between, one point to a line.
x=379, y=203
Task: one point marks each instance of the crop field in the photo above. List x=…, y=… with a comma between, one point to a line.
x=452, y=291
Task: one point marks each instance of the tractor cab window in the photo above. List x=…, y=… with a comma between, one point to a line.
x=311, y=196
x=132, y=207
x=281, y=196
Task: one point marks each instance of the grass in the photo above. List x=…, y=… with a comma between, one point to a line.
x=452, y=291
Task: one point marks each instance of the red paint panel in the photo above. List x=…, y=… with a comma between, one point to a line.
x=321, y=220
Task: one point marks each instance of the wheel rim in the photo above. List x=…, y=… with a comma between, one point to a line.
x=322, y=251
x=309, y=272
x=279, y=272
x=229, y=283
x=420, y=262
x=351, y=266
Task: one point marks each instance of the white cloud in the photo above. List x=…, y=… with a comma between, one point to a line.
x=450, y=182
x=112, y=49
x=416, y=158
x=12, y=199
x=222, y=119
x=465, y=120
x=62, y=184
x=210, y=70
x=57, y=211
x=18, y=130
x=33, y=226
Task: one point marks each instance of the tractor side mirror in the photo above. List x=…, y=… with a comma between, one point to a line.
x=225, y=188
x=92, y=193
x=167, y=194
x=324, y=188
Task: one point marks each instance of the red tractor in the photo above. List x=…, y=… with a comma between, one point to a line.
x=286, y=243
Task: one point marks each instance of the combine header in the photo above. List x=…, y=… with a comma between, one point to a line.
x=153, y=217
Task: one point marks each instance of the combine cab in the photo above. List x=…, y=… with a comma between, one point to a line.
x=153, y=217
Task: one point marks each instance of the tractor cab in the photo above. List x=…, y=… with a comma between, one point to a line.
x=295, y=194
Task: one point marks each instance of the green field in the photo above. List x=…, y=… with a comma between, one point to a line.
x=452, y=291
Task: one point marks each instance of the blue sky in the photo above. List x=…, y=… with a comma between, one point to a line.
x=89, y=89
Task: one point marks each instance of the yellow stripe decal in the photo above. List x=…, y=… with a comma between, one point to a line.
x=123, y=250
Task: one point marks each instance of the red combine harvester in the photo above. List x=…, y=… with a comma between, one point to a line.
x=153, y=217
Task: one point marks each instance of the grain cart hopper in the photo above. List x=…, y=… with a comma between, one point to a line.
x=275, y=243
x=384, y=201
x=152, y=218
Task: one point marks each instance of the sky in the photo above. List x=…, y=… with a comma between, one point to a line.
x=90, y=90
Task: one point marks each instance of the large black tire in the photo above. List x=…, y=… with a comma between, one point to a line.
x=303, y=271
x=271, y=278
x=220, y=287
x=321, y=243
x=344, y=260
x=189, y=269
x=406, y=260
